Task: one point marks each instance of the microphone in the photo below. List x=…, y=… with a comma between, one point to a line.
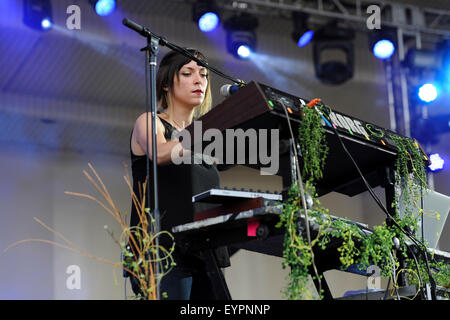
x=136, y=27
x=227, y=89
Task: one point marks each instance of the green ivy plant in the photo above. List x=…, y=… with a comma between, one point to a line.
x=297, y=250
x=357, y=247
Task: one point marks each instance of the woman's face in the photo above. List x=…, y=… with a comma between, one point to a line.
x=189, y=87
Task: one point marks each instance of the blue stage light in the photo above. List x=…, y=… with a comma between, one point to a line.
x=208, y=22
x=105, y=7
x=46, y=24
x=305, y=38
x=206, y=14
x=244, y=51
x=428, y=92
x=241, y=37
x=437, y=163
x=37, y=14
x=302, y=34
x=383, y=49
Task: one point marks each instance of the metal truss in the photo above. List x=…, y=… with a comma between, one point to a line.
x=411, y=19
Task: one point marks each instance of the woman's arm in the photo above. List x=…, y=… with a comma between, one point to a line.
x=164, y=147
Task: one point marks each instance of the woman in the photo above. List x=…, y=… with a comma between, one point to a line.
x=183, y=93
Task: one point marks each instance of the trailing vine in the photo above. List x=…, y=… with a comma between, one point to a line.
x=312, y=144
x=357, y=247
x=297, y=251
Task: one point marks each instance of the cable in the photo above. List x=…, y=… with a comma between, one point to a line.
x=374, y=196
x=302, y=195
x=377, y=200
x=394, y=270
x=418, y=272
x=369, y=188
x=425, y=253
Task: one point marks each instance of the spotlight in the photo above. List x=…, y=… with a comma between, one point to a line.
x=244, y=51
x=427, y=92
x=333, y=41
x=104, y=7
x=208, y=22
x=37, y=14
x=46, y=24
x=430, y=67
x=437, y=163
x=206, y=14
x=382, y=43
x=241, y=37
x=302, y=35
x=383, y=49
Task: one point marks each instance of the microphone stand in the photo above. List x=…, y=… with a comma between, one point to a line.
x=151, y=51
x=145, y=32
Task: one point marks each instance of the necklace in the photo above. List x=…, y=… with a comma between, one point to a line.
x=182, y=127
x=176, y=123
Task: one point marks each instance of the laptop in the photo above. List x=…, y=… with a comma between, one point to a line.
x=434, y=203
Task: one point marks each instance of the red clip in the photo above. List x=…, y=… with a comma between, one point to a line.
x=252, y=225
x=313, y=102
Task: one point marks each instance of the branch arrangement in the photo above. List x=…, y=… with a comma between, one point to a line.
x=137, y=243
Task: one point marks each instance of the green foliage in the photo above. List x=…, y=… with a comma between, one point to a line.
x=296, y=252
x=145, y=256
x=439, y=270
x=377, y=248
x=356, y=246
x=312, y=144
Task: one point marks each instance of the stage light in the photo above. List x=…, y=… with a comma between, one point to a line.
x=302, y=34
x=382, y=43
x=206, y=14
x=244, y=51
x=37, y=14
x=241, y=44
x=432, y=66
x=241, y=38
x=46, y=24
x=305, y=38
x=334, y=42
x=427, y=92
x=437, y=163
x=104, y=7
x=383, y=49
x=208, y=22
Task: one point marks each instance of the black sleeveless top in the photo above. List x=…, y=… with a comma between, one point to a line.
x=176, y=186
